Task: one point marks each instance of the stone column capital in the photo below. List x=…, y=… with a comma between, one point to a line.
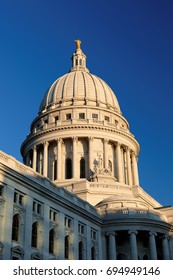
x=152, y=233
x=75, y=139
x=134, y=154
x=46, y=144
x=118, y=144
x=59, y=141
x=113, y=233
x=105, y=140
x=90, y=139
x=133, y=231
x=165, y=236
x=127, y=149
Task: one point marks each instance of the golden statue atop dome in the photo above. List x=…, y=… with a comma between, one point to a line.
x=78, y=43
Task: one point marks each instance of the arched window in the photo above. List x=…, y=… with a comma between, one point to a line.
x=15, y=228
x=66, y=247
x=80, y=250
x=55, y=169
x=82, y=168
x=93, y=253
x=51, y=241
x=68, y=168
x=34, y=235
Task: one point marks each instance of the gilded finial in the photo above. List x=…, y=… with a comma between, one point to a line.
x=78, y=43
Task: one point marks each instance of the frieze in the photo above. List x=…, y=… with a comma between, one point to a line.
x=3, y=157
x=22, y=168
x=127, y=135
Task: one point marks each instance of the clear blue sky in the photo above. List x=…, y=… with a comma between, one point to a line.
x=128, y=43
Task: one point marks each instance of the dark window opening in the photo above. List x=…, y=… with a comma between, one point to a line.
x=95, y=116
x=51, y=241
x=15, y=228
x=107, y=118
x=80, y=250
x=66, y=247
x=81, y=116
x=34, y=235
x=82, y=168
x=55, y=169
x=68, y=170
x=68, y=116
x=93, y=253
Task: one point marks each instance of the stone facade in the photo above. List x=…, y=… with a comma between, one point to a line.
x=77, y=195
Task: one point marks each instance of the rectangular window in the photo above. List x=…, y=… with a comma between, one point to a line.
x=57, y=118
x=18, y=198
x=37, y=207
x=15, y=197
x=53, y=215
x=93, y=234
x=68, y=222
x=107, y=118
x=81, y=228
x=81, y=116
x=95, y=116
x=68, y=116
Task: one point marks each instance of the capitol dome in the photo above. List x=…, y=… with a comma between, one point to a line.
x=80, y=87
x=81, y=137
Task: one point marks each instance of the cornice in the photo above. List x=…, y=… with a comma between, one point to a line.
x=70, y=127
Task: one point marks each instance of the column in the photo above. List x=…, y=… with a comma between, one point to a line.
x=28, y=226
x=104, y=255
x=75, y=240
x=46, y=232
x=133, y=245
x=135, y=169
x=7, y=222
x=171, y=246
x=165, y=248
x=34, y=158
x=45, y=158
x=61, y=236
x=129, y=170
x=124, y=156
x=105, y=153
x=119, y=162
x=28, y=158
x=74, y=163
x=59, y=161
x=90, y=144
x=88, y=242
x=152, y=245
x=112, y=245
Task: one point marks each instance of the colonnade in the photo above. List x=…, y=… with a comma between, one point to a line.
x=125, y=159
x=112, y=245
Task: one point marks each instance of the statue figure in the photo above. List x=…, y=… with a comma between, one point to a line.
x=78, y=43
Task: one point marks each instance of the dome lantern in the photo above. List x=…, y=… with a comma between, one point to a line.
x=78, y=59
